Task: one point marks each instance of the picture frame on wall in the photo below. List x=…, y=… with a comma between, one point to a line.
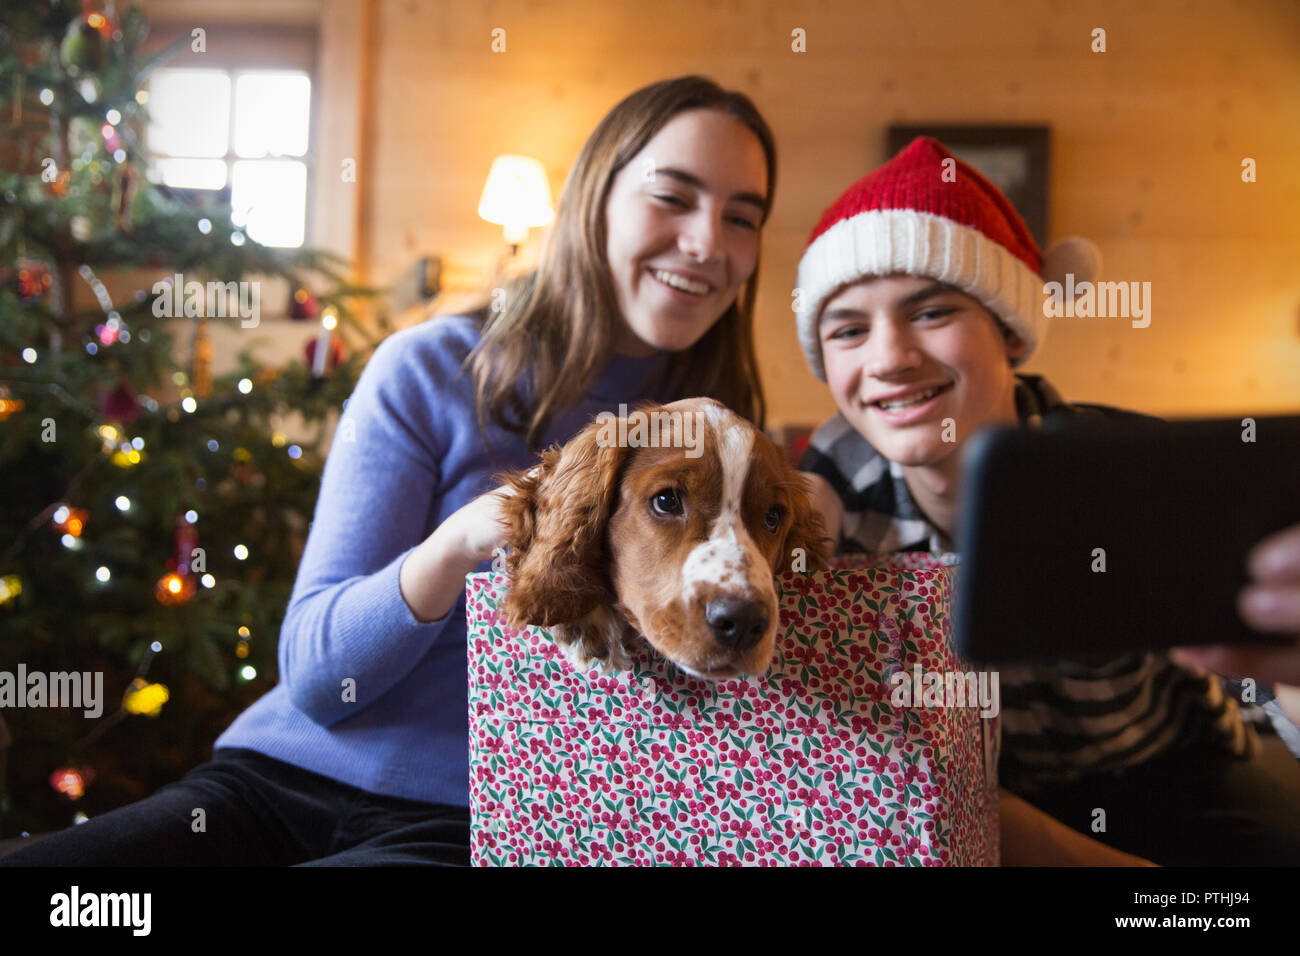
x=1013, y=158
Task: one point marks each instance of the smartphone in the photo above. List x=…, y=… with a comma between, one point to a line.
x=1119, y=534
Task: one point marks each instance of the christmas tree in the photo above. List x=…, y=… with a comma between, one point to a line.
x=153, y=515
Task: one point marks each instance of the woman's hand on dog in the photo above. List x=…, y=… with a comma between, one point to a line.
x=432, y=578
x=478, y=528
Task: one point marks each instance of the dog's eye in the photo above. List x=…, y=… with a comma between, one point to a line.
x=666, y=502
x=773, y=519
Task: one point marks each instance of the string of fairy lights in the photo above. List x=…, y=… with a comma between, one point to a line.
x=72, y=518
x=186, y=573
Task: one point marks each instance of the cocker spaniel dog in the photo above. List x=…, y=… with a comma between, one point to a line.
x=669, y=522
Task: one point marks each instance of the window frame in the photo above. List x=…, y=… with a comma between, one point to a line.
x=234, y=49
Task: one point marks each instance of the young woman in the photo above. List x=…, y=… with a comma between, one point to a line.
x=645, y=289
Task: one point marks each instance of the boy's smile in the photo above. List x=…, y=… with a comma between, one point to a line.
x=916, y=367
x=911, y=403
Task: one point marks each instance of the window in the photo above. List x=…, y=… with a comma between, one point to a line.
x=242, y=130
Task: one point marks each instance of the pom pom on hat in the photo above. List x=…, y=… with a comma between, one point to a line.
x=1073, y=255
x=927, y=213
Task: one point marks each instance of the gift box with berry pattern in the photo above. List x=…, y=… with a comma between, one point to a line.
x=817, y=762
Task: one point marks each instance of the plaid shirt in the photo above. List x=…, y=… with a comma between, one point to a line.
x=1067, y=718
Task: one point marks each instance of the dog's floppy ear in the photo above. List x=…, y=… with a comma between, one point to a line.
x=808, y=532
x=555, y=524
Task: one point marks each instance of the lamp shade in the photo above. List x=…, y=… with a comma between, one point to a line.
x=516, y=196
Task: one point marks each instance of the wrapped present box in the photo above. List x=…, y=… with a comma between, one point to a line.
x=841, y=754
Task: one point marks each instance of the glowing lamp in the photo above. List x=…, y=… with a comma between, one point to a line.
x=516, y=196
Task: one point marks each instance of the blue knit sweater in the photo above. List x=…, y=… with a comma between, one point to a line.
x=416, y=458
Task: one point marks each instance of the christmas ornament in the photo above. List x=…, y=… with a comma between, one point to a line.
x=303, y=305
x=325, y=351
x=9, y=405
x=59, y=184
x=245, y=475
x=333, y=355
x=70, y=520
x=145, y=698
x=186, y=540
x=82, y=50
x=107, y=332
x=11, y=585
x=202, y=367
x=72, y=781
x=112, y=139
x=126, y=182
x=174, y=589
x=34, y=280
x=120, y=404
x=242, y=471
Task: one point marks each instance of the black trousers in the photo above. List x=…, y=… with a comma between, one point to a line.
x=1191, y=808
x=258, y=811
x=1182, y=809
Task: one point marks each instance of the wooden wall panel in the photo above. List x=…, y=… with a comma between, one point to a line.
x=1148, y=139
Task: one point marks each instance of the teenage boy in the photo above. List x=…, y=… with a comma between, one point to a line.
x=920, y=292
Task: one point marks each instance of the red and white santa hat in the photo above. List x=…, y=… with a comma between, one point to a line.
x=908, y=218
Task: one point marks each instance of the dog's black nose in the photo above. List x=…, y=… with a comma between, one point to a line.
x=736, y=623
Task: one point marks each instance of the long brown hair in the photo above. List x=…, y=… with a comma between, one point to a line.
x=558, y=323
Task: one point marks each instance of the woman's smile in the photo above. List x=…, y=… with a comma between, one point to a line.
x=680, y=288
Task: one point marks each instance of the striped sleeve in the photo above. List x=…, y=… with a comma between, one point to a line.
x=1064, y=720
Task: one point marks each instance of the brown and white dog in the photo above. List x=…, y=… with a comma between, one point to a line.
x=669, y=522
